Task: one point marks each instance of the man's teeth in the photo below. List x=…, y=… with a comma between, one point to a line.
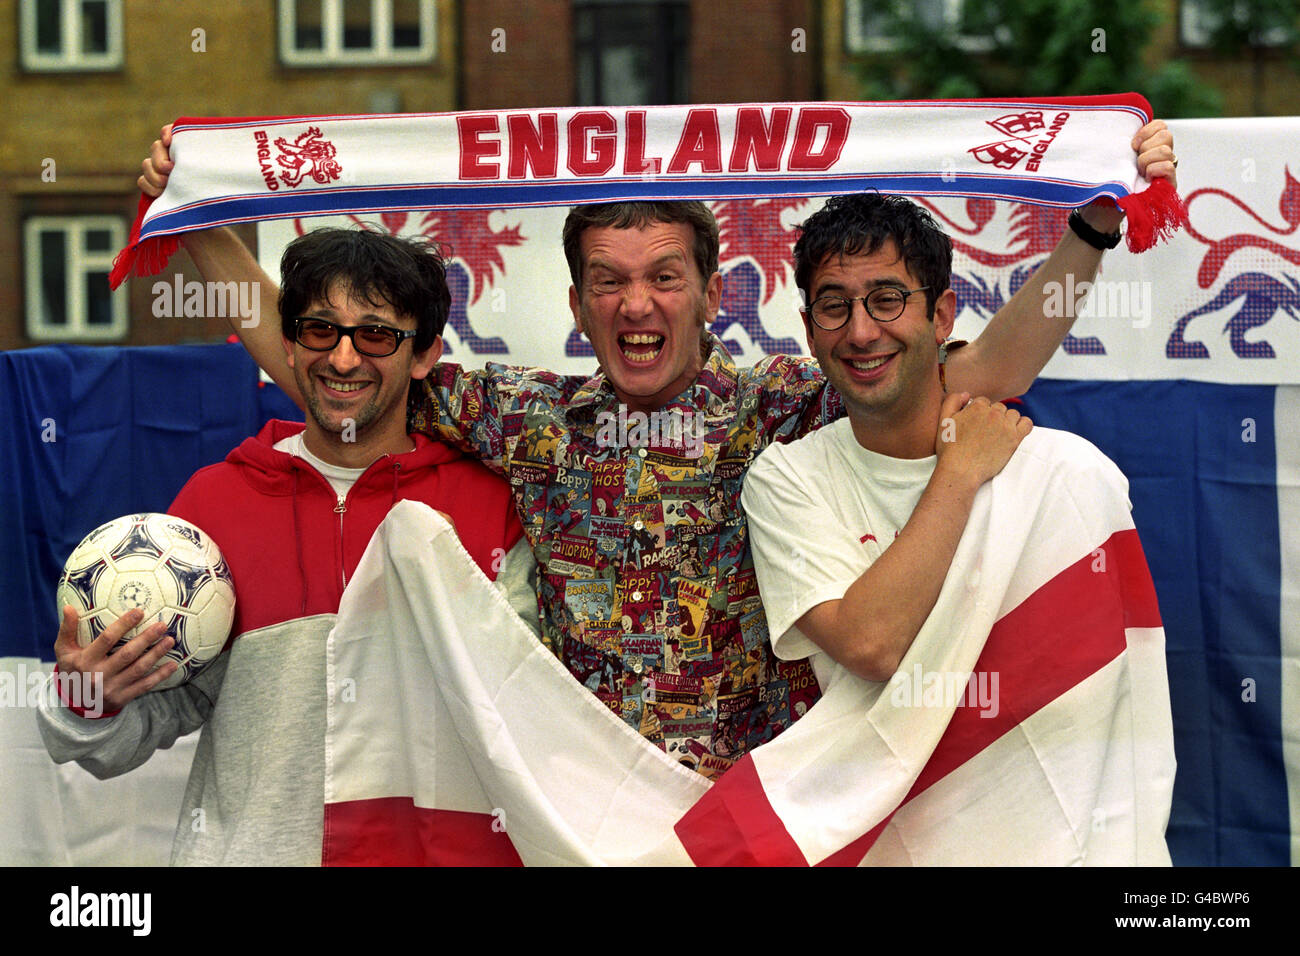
x=641, y=346
x=345, y=386
x=866, y=366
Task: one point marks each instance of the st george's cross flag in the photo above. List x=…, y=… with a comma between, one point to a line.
x=454, y=737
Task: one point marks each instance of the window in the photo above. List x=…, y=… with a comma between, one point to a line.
x=1197, y=21
x=67, y=260
x=361, y=32
x=71, y=34
x=867, y=23
x=631, y=54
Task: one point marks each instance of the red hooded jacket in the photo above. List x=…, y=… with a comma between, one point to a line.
x=290, y=544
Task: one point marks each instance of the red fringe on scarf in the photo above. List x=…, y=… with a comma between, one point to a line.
x=1152, y=215
x=142, y=258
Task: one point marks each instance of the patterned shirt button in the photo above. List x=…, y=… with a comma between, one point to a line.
x=641, y=452
x=637, y=524
x=636, y=595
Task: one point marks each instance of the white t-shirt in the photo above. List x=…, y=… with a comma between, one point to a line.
x=820, y=511
x=341, y=479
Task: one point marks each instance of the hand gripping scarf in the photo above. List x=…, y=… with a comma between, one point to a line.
x=1052, y=151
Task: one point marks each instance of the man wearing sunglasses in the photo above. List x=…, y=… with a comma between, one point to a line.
x=292, y=510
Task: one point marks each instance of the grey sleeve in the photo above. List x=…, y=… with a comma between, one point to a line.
x=517, y=582
x=109, y=746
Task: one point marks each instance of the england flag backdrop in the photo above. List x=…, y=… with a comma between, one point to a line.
x=1182, y=367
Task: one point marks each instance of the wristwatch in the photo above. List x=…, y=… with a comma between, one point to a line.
x=1098, y=240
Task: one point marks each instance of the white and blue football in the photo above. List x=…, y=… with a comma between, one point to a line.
x=163, y=565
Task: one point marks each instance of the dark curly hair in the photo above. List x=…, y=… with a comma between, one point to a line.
x=860, y=224
x=407, y=274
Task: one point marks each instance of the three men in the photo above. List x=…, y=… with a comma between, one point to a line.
x=293, y=510
x=646, y=585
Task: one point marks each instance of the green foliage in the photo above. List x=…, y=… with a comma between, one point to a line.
x=1254, y=31
x=1239, y=26
x=1031, y=48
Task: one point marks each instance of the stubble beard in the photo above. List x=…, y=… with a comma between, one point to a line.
x=363, y=418
x=317, y=408
x=885, y=403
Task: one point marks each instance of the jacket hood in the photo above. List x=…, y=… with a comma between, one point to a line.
x=273, y=472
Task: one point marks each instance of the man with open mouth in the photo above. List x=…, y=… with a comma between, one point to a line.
x=672, y=636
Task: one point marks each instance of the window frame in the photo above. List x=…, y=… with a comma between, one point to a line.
x=855, y=44
x=1190, y=13
x=77, y=264
x=381, y=51
x=674, y=78
x=70, y=58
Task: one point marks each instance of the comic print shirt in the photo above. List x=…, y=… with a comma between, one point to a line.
x=646, y=583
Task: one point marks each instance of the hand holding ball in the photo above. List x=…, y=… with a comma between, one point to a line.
x=164, y=566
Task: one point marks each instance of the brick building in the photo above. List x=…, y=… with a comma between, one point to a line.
x=606, y=52
x=86, y=84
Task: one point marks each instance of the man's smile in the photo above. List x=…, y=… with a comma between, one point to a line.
x=344, y=387
x=868, y=367
x=641, y=348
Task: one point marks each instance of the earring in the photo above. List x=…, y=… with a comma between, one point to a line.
x=943, y=358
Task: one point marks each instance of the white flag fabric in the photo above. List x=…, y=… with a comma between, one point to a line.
x=446, y=716
x=443, y=707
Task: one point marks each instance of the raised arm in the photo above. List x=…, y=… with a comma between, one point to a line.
x=221, y=256
x=1020, y=339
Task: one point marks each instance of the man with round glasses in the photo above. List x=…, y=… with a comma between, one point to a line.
x=875, y=270
x=292, y=510
x=867, y=567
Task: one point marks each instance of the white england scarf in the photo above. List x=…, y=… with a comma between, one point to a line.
x=1053, y=151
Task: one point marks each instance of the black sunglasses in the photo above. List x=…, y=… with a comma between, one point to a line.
x=375, y=341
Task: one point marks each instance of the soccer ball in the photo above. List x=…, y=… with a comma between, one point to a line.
x=163, y=565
